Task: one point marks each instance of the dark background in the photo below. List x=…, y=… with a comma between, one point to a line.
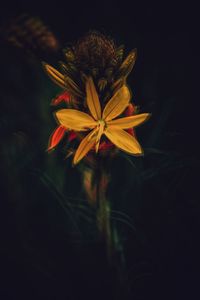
x=49, y=251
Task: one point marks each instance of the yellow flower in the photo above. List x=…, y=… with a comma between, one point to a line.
x=103, y=123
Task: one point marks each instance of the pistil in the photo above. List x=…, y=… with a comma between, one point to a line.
x=101, y=124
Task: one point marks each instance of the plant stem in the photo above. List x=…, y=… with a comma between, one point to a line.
x=103, y=211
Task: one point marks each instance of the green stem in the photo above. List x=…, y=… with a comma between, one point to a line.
x=103, y=211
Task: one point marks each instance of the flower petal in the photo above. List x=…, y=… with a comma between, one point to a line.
x=85, y=146
x=56, y=76
x=72, y=87
x=105, y=145
x=128, y=122
x=123, y=140
x=130, y=111
x=75, y=119
x=99, y=134
x=131, y=131
x=72, y=136
x=93, y=99
x=56, y=137
x=63, y=97
x=117, y=103
x=127, y=65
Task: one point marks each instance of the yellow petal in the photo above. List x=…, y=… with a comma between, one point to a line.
x=93, y=99
x=85, y=146
x=123, y=140
x=128, y=122
x=56, y=76
x=99, y=134
x=75, y=120
x=118, y=84
x=117, y=103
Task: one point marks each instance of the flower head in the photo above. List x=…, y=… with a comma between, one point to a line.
x=94, y=55
x=103, y=122
x=93, y=78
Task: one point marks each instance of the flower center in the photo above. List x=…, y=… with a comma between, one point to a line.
x=101, y=123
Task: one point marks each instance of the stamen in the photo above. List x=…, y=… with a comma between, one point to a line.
x=101, y=130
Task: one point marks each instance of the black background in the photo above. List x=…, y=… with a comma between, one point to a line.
x=38, y=260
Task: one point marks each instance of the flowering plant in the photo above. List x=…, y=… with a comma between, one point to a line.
x=98, y=100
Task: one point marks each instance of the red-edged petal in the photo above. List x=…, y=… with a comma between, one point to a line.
x=129, y=112
x=56, y=137
x=105, y=146
x=64, y=96
x=72, y=136
x=131, y=131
